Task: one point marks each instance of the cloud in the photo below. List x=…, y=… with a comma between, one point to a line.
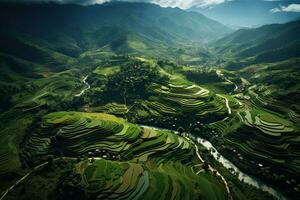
x=289, y=8
x=184, y=4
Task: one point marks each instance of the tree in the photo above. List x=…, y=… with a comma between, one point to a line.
x=53, y=139
x=50, y=159
x=205, y=165
x=197, y=130
x=92, y=160
x=180, y=130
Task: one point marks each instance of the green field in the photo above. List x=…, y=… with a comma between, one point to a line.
x=116, y=100
x=172, y=98
x=127, y=160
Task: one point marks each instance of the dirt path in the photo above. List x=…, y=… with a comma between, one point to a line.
x=216, y=172
x=85, y=89
x=27, y=175
x=227, y=103
x=219, y=73
x=211, y=168
x=21, y=180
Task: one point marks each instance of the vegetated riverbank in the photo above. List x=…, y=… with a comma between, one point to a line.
x=235, y=171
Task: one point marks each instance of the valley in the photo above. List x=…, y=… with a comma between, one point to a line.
x=156, y=109
x=168, y=99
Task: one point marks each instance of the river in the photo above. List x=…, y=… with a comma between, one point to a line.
x=218, y=157
x=230, y=166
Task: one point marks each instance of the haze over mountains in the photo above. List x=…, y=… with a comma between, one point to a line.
x=220, y=107
x=70, y=31
x=269, y=43
x=249, y=13
x=119, y=26
x=233, y=13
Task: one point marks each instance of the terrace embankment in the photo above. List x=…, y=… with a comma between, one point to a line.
x=124, y=159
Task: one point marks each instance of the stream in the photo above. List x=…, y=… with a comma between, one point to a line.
x=230, y=166
x=218, y=157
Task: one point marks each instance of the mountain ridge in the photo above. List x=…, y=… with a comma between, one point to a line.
x=78, y=25
x=269, y=43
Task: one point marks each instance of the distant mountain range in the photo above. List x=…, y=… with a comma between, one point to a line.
x=248, y=13
x=117, y=27
x=269, y=43
x=51, y=35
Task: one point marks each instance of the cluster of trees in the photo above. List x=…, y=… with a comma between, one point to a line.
x=131, y=82
x=59, y=103
x=7, y=91
x=203, y=76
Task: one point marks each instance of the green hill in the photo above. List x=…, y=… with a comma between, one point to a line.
x=82, y=86
x=73, y=29
x=270, y=43
x=276, y=83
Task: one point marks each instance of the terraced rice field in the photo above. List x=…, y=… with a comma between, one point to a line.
x=113, y=180
x=281, y=153
x=112, y=108
x=107, y=71
x=294, y=116
x=133, y=162
x=37, y=146
x=269, y=139
x=227, y=125
x=118, y=180
x=4, y=160
x=267, y=123
x=179, y=100
x=80, y=133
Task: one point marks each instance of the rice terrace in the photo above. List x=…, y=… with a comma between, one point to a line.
x=150, y=100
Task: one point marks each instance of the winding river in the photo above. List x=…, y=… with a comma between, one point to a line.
x=230, y=166
x=218, y=157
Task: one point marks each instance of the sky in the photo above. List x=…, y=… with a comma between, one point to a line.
x=233, y=13
x=294, y=5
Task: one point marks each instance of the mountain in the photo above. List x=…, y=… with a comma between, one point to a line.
x=114, y=101
x=37, y=40
x=116, y=27
x=248, y=13
x=269, y=43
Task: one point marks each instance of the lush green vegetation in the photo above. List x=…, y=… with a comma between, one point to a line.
x=125, y=159
x=154, y=93
x=74, y=102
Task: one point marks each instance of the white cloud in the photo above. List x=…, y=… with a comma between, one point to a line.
x=275, y=10
x=289, y=8
x=184, y=4
x=206, y=3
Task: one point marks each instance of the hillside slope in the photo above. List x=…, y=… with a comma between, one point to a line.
x=122, y=27
x=268, y=43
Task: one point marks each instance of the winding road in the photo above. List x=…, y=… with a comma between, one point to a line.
x=28, y=174
x=22, y=179
x=228, y=165
x=199, y=157
x=85, y=89
x=211, y=168
x=219, y=73
x=227, y=103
